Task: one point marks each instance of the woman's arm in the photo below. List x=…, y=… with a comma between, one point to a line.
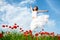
x=42, y=11
x=31, y=8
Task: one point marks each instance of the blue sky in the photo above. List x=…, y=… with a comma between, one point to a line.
x=18, y=6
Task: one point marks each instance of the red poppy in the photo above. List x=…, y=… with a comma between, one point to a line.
x=12, y=28
x=9, y=26
x=46, y=33
x=30, y=32
x=20, y=28
x=3, y=25
x=6, y=25
x=42, y=33
x=52, y=34
x=1, y=35
x=15, y=26
x=25, y=34
x=36, y=34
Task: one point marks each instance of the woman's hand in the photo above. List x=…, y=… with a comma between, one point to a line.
x=46, y=10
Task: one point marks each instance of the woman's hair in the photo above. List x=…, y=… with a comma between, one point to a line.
x=36, y=8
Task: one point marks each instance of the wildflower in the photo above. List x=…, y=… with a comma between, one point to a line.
x=30, y=32
x=36, y=34
x=46, y=33
x=15, y=26
x=1, y=35
x=12, y=28
x=42, y=33
x=9, y=26
x=6, y=25
x=3, y=25
x=20, y=28
x=52, y=34
x=25, y=34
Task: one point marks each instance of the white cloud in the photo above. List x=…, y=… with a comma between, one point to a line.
x=13, y=14
x=27, y=1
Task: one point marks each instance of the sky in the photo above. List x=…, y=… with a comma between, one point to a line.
x=18, y=11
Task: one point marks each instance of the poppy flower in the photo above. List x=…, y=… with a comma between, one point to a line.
x=15, y=26
x=6, y=25
x=30, y=32
x=36, y=34
x=46, y=33
x=3, y=25
x=42, y=33
x=1, y=35
x=20, y=28
x=25, y=34
x=9, y=26
x=12, y=28
x=52, y=34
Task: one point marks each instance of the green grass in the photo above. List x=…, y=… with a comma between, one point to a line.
x=16, y=36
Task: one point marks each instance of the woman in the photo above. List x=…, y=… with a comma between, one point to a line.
x=38, y=20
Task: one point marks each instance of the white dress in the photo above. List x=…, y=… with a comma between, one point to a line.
x=38, y=21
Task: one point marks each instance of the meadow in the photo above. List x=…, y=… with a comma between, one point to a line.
x=26, y=35
x=17, y=36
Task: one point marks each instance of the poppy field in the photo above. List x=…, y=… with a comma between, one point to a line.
x=26, y=35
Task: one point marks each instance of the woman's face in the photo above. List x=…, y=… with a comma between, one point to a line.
x=35, y=8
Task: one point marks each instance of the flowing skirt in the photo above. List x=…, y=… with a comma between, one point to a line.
x=40, y=21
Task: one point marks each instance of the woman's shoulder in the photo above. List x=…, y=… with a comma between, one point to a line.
x=34, y=11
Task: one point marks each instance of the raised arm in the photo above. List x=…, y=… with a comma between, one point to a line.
x=31, y=8
x=42, y=11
